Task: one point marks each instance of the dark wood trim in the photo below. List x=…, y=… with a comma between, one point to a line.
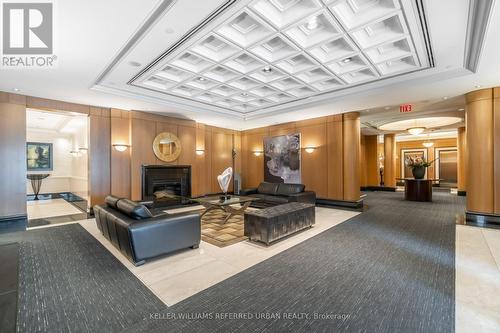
x=13, y=223
x=462, y=193
x=482, y=220
x=379, y=188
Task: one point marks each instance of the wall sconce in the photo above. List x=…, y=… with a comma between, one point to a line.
x=83, y=150
x=120, y=147
x=75, y=153
x=200, y=152
x=257, y=152
x=310, y=150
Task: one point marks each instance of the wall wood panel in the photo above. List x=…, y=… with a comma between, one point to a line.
x=335, y=147
x=120, y=161
x=372, y=162
x=351, y=142
x=496, y=152
x=143, y=134
x=462, y=160
x=13, y=154
x=314, y=168
x=362, y=162
x=222, y=145
x=99, y=158
x=390, y=162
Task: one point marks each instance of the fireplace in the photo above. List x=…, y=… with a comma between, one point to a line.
x=169, y=179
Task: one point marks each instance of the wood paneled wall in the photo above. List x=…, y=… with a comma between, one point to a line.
x=390, y=163
x=120, y=160
x=462, y=160
x=217, y=144
x=431, y=153
x=331, y=170
x=13, y=156
x=369, y=160
x=99, y=154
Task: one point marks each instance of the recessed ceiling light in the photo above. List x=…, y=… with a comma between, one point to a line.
x=201, y=79
x=312, y=23
x=244, y=94
x=134, y=63
x=267, y=69
x=17, y=89
x=347, y=60
x=478, y=86
x=445, y=97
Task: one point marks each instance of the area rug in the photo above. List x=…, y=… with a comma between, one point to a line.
x=218, y=233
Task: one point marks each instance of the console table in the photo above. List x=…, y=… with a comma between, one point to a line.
x=36, y=182
x=418, y=189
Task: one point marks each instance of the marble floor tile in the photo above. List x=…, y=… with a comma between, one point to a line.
x=477, y=281
x=38, y=209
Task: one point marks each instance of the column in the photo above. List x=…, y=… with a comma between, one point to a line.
x=480, y=159
x=390, y=160
x=461, y=165
x=351, y=145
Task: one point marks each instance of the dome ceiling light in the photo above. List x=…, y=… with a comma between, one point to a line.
x=416, y=130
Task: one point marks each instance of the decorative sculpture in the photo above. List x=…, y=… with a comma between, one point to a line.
x=224, y=179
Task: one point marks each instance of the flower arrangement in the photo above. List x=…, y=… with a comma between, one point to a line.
x=417, y=162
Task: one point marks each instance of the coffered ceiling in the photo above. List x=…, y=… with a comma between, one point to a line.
x=273, y=52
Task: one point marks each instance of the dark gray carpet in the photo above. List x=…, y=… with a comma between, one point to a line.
x=68, y=282
x=9, y=258
x=390, y=269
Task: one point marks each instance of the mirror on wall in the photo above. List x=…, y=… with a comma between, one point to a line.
x=167, y=146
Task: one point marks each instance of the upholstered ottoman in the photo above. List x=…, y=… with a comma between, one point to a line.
x=273, y=223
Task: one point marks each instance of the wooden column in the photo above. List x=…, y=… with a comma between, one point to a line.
x=371, y=155
x=461, y=165
x=480, y=156
x=351, y=144
x=390, y=160
x=13, y=170
x=496, y=146
x=335, y=149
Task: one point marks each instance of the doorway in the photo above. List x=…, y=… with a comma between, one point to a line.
x=57, y=167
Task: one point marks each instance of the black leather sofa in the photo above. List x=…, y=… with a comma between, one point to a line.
x=273, y=194
x=139, y=235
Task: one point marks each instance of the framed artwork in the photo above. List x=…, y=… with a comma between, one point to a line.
x=406, y=171
x=282, y=159
x=39, y=156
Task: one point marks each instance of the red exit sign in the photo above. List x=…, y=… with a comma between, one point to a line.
x=405, y=108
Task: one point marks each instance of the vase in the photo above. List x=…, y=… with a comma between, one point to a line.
x=418, y=172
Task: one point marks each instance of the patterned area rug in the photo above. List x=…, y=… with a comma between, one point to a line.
x=218, y=233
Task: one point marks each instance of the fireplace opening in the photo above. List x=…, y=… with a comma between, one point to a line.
x=166, y=185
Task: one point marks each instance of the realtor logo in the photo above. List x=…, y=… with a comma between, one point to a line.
x=27, y=28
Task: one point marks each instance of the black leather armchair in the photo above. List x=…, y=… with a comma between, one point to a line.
x=139, y=235
x=272, y=194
